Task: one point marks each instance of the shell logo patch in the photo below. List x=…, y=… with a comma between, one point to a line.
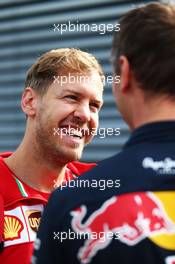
x=34, y=218
x=12, y=227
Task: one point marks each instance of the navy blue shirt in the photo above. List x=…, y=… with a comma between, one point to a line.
x=122, y=211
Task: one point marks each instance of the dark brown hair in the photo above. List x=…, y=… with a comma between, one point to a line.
x=147, y=39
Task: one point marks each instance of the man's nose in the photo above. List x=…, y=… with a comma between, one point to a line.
x=82, y=112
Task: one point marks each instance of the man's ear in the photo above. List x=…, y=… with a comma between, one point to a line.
x=125, y=73
x=29, y=101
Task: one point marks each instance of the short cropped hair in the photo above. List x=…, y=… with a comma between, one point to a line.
x=57, y=62
x=147, y=39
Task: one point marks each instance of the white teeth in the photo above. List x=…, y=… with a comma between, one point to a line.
x=73, y=132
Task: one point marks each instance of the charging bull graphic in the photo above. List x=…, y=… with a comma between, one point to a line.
x=134, y=216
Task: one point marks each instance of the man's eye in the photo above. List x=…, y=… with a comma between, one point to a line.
x=95, y=106
x=72, y=97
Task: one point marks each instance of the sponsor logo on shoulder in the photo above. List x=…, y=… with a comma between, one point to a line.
x=34, y=218
x=21, y=224
x=166, y=166
x=12, y=227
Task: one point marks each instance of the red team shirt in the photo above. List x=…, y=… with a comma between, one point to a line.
x=23, y=206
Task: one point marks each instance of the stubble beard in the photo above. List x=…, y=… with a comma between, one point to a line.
x=48, y=146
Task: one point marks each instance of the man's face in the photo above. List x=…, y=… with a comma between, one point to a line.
x=66, y=116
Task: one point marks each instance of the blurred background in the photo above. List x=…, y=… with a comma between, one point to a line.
x=27, y=31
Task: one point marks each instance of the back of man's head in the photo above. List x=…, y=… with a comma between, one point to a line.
x=147, y=39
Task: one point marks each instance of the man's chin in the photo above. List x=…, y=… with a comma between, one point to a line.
x=71, y=156
x=75, y=157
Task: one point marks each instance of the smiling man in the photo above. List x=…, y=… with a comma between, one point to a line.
x=60, y=118
x=136, y=222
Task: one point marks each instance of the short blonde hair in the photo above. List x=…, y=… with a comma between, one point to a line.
x=59, y=61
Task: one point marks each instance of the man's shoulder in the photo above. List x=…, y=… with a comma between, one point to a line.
x=88, y=185
x=4, y=170
x=122, y=173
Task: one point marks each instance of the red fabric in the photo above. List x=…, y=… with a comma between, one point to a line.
x=76, y=168
x=20, y=253
x=1, y=218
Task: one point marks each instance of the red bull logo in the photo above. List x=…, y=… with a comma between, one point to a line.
x=134, y=216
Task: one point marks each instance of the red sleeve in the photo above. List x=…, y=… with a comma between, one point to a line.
x=1, y=222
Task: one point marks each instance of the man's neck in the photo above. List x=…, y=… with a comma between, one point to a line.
x=155, y=110
x=36, y=173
